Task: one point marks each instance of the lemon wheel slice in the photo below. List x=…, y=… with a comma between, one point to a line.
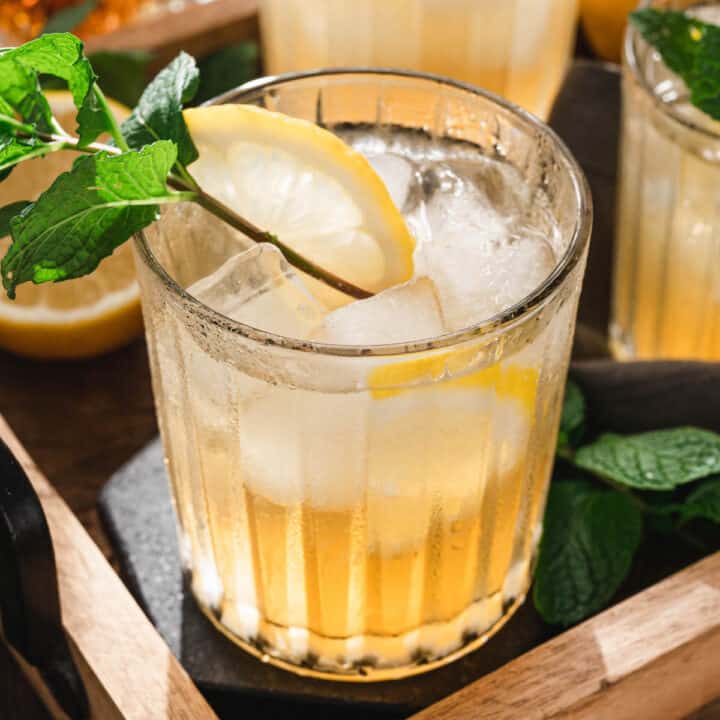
x=303, y=183
x=77, y=318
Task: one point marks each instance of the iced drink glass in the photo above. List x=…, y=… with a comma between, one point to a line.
x=517, y=49
x=666, y=298
x=366, y=512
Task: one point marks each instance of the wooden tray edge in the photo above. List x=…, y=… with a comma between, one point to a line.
x=655, y=655
x=128, y=671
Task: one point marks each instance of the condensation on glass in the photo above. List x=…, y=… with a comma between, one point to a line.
x=365, y=513
x=518, y=49
x=666, y=298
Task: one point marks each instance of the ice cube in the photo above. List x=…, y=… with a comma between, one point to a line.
x=259, y=288
x=397, y=173
x=400, y=314
x=481, y=262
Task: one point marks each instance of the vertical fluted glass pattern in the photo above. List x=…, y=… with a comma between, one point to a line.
x=363, y=516
x=666, y=300
x=516, y=48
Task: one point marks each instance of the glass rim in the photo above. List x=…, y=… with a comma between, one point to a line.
x=564, y=266
x=632, y=36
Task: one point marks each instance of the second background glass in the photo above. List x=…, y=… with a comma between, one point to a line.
x=518, y=49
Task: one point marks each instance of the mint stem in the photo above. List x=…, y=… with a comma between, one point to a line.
x=114, y=127
x=28, y=130
x=186, y=177
x=59, y=129
x=38, y=152
x=299, y=261
x=190, y=191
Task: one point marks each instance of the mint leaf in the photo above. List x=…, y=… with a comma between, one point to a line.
x=588, y=544
x=13, y=151
x=158, y=115
x=8, y=212
x=92, y=120
x=572, y=420
x=86, y=213
x=660, y=460
x=62, y=55
x=690, y=48
x=20, y=93
x=703, y=502
x=69, y=18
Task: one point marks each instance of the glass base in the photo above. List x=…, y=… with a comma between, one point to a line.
x=282, y=646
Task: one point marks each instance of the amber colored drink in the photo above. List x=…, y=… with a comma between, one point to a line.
x=667, y=284
x=517, y=49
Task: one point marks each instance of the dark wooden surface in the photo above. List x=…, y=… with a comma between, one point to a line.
x=80, y=421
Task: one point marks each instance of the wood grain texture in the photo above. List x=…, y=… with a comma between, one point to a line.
x=80, y=421
x=18, y=698
x=654, y=656
x=199, y=29
x=128, y=671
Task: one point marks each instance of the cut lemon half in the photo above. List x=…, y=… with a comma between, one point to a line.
x=77, y=318
x=304, y=184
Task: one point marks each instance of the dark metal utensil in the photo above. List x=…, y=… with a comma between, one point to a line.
x=29, y=598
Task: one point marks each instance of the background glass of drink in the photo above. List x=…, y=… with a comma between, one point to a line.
x=517, y=49
x=666, y=286
x=604, y=23
x=359, y=512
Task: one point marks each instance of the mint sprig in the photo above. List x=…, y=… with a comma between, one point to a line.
x=87, y=213
x=690, y=48
x=608, y=494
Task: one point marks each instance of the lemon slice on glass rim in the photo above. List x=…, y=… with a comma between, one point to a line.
x=301, y=182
